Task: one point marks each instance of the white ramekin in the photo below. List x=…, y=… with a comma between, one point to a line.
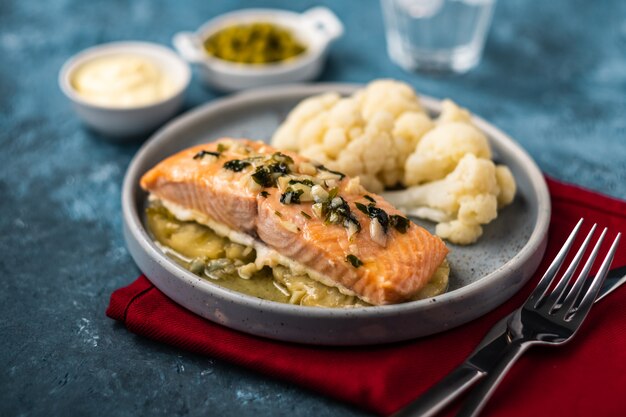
x=117, y=122
x=317, y=28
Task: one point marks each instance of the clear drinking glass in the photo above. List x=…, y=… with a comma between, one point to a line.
x=436, y=35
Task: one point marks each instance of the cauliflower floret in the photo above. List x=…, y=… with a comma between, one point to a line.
x=382, y=135
x=411, y=127
x=479, y=209
x=344, y=114
x=458, y=232
x=450, y=112
x=441, y=149
x=370, y=154
x=391, y=96
x=288, y=134
x=335, y=140
x=462, y=201
x=312, y=131
x=369, y=134
x=507, y=185
x=408, y=130
x=316, y=153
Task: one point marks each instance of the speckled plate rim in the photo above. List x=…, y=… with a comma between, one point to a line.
x=140, y=245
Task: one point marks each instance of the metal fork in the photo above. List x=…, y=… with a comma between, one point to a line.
x=547, y=317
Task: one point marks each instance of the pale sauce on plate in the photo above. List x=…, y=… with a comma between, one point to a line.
x=197, y=248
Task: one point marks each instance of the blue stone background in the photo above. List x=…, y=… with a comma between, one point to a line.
x=553, y=77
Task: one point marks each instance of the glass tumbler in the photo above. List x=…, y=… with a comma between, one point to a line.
x=436, y=35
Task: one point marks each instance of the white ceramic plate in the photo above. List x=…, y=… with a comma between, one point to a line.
x=483, y=275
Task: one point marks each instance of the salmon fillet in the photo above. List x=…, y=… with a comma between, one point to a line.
x=321, y=219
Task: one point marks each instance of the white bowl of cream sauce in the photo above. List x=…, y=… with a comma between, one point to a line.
x=125, y=89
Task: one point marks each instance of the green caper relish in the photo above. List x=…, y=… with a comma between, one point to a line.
x=254, y=43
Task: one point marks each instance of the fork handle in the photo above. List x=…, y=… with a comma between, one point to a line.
x=442, y=393
x=479, y=396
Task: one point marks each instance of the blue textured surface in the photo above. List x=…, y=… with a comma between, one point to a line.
x=553, y=76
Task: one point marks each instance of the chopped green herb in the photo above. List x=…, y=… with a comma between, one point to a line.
x=401, y=224
x=375, y=213
x=356, y=262
x=203, y=153
x=305, y=181
x=362, y=207
x=282, y=158
x=291, y=196
x=337, y=211
x=276, y=212
x=253, y=158
x=263, y=177
x=306, y=216
x=323, y=168
x=279, y=167
x=221, y=147
x=351, y=220
x=236, y=165
x=264, y=194
x=367, y=197
x=380, y=215
x=333, y=193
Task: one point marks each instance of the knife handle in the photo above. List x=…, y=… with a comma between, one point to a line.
x=478, y=398
x=442, y=393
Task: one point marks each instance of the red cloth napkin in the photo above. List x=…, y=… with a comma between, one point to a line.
x=584, y=378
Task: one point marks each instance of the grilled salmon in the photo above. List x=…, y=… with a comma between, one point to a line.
x=320, y=219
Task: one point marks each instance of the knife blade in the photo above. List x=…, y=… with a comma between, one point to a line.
x=483, y=359
x=614, y=279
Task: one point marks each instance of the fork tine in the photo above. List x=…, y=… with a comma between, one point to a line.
x=539, y=292
x=556, y=296
x=574, y=292
x=596, y=284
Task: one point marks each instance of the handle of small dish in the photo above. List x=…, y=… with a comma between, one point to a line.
x=186, y=43
x=324, y=21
